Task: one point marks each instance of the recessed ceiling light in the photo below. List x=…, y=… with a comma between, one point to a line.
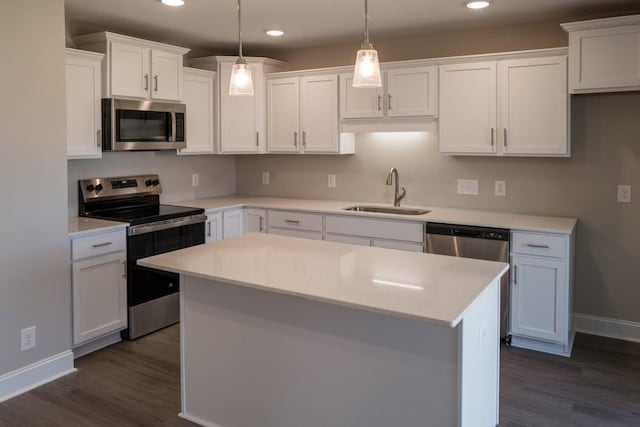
x=274, y=33
x=477, y=4
x=172, y=2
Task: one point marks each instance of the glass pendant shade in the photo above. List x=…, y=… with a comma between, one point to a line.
x=367, y=70
x=241, y=83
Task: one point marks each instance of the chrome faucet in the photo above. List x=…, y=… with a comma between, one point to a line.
x=398, y=196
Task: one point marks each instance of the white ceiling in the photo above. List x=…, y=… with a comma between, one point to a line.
x=212, y=24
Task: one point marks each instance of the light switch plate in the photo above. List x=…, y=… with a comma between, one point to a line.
x=265, y=177
x=195, y=179
x=331, y=181
x=468, y=187
x=624, y=194
x=500, y=188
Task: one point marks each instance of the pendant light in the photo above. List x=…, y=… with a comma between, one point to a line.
x=367, y=71
x=241, y=83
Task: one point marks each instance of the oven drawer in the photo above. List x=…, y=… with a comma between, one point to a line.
x=539, y=244
x=98, y=244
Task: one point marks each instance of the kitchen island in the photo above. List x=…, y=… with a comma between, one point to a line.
x=280, y=331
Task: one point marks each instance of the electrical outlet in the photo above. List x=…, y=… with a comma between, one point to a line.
x=331, y=181
x=265, y=177
x=468, y=187
x=28, y=338
x=195, y=179
x=624, y=194
x=500, y=188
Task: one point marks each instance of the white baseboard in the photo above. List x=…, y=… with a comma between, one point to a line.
x=606, y=327
x=34, y=375
x=197, y=420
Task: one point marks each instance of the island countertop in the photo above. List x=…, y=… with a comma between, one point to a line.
x=427, y=287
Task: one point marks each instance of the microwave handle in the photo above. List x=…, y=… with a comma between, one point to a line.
x=173, y=127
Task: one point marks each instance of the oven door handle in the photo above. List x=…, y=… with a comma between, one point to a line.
x=165, y=225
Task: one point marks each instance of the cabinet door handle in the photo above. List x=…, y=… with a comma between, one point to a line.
x=124, y=274
x=389, y=102
x=304, y=139
x=379, y=102
x=208, y=228
x=537, y=246
x=257, y=139
x=260, y=226
x=155, y=81
x=98, y=137
x=292, y=221
x=295, y=139
x=146, y=82
x=515, y=275
x=493, y=136
x=505, y=138
x=101, y=245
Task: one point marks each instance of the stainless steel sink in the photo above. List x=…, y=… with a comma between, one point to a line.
x=388, y=210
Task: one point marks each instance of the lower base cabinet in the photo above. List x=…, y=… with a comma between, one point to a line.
x=232, y=223
x=99, y=285
x=213, y=227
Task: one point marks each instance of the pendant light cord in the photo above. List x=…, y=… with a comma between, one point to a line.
x=240, y=28
x=366, y=22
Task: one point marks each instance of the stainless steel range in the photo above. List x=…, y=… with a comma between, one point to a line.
x=152, y=295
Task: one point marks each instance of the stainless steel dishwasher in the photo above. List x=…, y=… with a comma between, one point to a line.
x=466, y=241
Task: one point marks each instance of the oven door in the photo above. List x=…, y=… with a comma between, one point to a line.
x=146, y=284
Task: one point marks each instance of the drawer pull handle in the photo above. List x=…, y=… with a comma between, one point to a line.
x=515, y=275
x=534, y=245
x=124, y=274
x=292, y=221
x=101, y=245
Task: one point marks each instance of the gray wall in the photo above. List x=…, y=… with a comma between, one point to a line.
x=217, y=173
x=34, y=250
x=606, y=152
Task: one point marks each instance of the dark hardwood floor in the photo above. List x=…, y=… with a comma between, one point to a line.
x=137, y=383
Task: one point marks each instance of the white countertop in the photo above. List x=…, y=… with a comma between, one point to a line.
x=427, y=287
x=79, y=226
x=512, y=221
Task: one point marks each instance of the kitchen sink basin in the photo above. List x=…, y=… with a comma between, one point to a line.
x=388, y=210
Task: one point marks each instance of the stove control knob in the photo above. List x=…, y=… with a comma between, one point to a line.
x=90, y=188
x=155, y=182
x=148, y=183
x=99, y=187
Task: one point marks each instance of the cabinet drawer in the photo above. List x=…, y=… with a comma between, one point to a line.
x=402, y=246
x=303, y=234
x=375, y=228
x=350, y=240
x=98, y=244
x=539, y=244
x=295, y=220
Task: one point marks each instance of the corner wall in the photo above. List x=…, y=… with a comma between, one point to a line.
x=34, y=250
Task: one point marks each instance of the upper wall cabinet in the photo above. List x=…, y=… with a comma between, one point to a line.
x=406, y=92
x=240, y=119
x=302, y=116
x=136, y=68
x=514, y=107
x=199, y=98
x=604, y=54
x=83, y=104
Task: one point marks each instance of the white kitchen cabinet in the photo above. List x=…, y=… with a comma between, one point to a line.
x=99, y=285
x=83, y=100
x=213, y=227
x=406, y=92
x=604, y=54
x=516, y=107
x=136, y=68
x=301, y=234
x=304, y=225
x=254, y=220
x=199, y=98
x=240, y=120
x=541, y=292
x=232, y=223
x=350, y=240
x=302, y=116
x=468, y=108
x=534, y=106
x=401, y=246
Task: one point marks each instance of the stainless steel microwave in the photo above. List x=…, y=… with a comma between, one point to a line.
x=142, y=125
